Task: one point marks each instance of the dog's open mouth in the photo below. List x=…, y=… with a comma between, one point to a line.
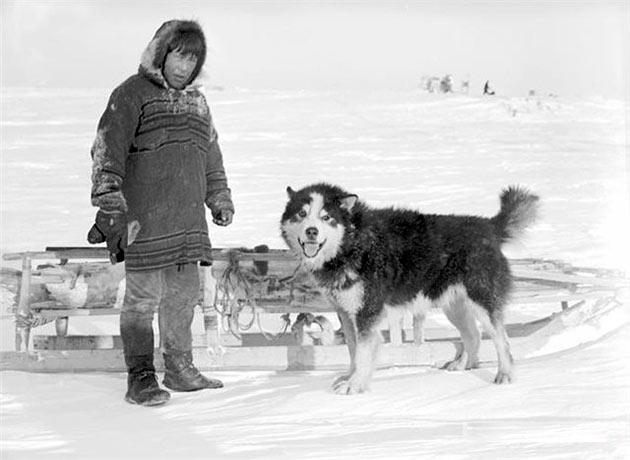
x=310, y=249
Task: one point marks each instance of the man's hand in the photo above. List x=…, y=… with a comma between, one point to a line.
x=112, y=228
x=222, y=217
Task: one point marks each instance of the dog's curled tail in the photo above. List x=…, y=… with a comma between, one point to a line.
x=519, y=209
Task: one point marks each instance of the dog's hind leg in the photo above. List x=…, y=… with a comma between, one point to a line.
x=419, y=309
x=493, y=325
x=459, y=310
x=418, y=328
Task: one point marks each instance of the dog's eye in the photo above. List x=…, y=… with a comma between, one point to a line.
x=302, y=213
x=326, y=218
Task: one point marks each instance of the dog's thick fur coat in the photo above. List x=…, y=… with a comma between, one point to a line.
x=365, y=259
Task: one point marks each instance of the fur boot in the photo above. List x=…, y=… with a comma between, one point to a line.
x=182, y=375
x=142, y=386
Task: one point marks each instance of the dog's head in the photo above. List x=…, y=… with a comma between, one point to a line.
x=302, y=320
x=309, y=329
x=315, y=221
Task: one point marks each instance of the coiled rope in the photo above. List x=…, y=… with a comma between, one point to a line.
x=234, y=294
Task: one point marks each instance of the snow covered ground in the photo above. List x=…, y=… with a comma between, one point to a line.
x=436, y=153
x=570, y=406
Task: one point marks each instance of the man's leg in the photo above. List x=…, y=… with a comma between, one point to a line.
x=182, y=291
x=142, y=294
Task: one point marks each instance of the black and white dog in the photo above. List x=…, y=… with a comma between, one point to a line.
x=364, y=259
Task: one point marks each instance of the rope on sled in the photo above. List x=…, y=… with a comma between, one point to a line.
x=272, y=338
x=227, y=304
x=230, y=306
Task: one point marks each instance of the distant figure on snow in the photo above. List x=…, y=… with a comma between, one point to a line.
x=465, y=86
x=487, y=90
x=446, y=84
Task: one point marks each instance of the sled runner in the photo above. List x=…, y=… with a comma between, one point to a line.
x=251, y=297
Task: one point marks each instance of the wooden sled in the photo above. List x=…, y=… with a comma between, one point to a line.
x=261, y=283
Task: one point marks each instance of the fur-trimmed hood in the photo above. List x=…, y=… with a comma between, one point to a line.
x=153, y=56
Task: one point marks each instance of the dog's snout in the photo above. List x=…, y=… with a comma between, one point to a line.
x=311, y=233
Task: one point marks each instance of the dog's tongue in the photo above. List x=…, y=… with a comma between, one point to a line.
x=310, y=249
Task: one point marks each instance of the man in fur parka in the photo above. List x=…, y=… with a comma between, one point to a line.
x=156, y=165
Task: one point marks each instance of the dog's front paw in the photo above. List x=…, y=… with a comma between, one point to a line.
x=341, y=379
x=503, y=378
x=349, y=385
x=458, y=364
x=462, y=362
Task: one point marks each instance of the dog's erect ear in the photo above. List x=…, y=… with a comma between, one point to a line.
x=348, y=202
x=290, y=192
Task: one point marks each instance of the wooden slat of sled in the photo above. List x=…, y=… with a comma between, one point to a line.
x=280, y=309
x=272, y=309
x=37, y=278
x=254, y=339
x=112, y=360
x=536, y=275
x=65, y=312
x=232, y=358
x=564, y=267
x=104, y=342
x=546, y=298
x=67, y=253
x=429, y=353
x=47, y=309
x=77, y=342
x=521, y=268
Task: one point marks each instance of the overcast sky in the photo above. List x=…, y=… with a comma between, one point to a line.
x=564, y=47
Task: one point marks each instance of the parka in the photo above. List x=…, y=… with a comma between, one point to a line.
x=156, y=158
